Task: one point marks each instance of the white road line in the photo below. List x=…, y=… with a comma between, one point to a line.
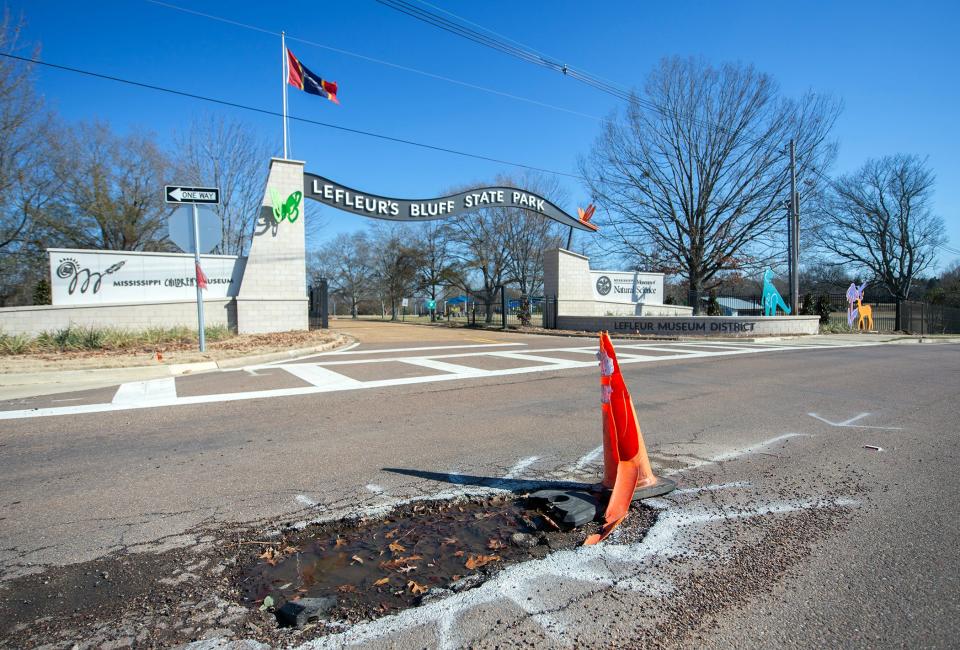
x=588, y=457
x=736, y=453
x=713, y=487
x=722, y=346
x=320, y=377
x=849, y=423
x=465, y=371
x=145, y=392
x=553, y=361
x=521, y=465
x=341, y=383
x=420, y=349
x=664, y=348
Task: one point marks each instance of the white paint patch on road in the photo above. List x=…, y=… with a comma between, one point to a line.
x=711, y=488
x=520, y=466
x=588, y=458
x=587, y=564
x=850, y=422
x=373, y=487
x=305, y=500
x=736, y=453
x=137, y=393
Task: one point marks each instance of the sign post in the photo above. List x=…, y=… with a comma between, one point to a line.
x=194, y=196
x=196, y=260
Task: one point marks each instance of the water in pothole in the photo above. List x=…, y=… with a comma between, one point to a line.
x=372, y=568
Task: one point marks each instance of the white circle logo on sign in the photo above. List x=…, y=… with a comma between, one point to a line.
x=604, y=285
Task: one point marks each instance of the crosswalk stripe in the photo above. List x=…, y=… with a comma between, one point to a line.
x=444, y=366
x=318, y=376
x=145, y=392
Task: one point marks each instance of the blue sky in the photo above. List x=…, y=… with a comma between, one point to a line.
x=892, y=64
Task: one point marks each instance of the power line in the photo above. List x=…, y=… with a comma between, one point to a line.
x=371, y=59
x=530, y=55
x=304, y=120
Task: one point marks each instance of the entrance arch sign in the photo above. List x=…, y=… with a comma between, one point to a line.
x=364, y=204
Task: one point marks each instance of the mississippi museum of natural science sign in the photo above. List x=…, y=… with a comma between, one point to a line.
x=381, y=207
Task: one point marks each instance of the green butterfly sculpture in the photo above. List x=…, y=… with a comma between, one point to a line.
x=289, y=209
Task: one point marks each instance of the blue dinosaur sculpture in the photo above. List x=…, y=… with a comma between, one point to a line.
x=771, y=297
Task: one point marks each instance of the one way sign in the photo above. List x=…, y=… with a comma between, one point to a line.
x=180, y=194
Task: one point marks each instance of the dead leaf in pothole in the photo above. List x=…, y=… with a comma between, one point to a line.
x=392, y=533
x=340, y=541
x=347, y=589
x=270, y=556
x=356, y=558
x=495, y=544
x=381, y=582
x=286, y=586
x=449, y=541
x=400, y=563
x=458, y=554
x=476, y=561
x=290, y=550
x=416, y=589
x=408, y=568
x=397, y=547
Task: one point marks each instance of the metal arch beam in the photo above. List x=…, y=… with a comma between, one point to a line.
x=364, y=204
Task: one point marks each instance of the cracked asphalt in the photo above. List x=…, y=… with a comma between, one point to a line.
x=786, y=530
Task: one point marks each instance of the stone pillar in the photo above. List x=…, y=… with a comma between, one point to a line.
x=566, y=275
x=273, y=294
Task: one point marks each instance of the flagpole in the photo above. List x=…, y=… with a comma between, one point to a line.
x=283, y=80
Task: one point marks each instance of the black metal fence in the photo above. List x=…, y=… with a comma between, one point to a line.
x=915, y=317
x=474, y=313
x=318, y=306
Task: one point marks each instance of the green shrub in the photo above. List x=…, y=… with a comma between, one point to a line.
x=106, y=338
x=14, y=343
x=218, y=332
x=835, y=328
x=69, y=338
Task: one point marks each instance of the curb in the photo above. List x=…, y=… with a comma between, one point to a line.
x=155, y=372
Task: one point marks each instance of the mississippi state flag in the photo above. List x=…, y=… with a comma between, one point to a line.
x=300, y=77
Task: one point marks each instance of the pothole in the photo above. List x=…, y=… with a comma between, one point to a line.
x=355, y=570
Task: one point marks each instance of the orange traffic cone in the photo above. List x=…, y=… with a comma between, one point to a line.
x=626, y=468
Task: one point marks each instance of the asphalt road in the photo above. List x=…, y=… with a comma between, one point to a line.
x=787, y=529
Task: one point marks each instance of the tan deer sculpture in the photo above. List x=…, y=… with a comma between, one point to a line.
x=864, y=312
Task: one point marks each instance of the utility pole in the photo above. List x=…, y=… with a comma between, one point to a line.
x=793, y=233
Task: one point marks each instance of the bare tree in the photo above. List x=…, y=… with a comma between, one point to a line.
x=346, y=262
x=108, y=194
x=436, y=261
x=880, y=220
x=395, y=261
x=528, y=234
x=695, y=173
x=481, y=239
x=227, y=154
x=25, y=185
x=24, y=127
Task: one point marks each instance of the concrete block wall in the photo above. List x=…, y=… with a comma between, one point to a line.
x=129, y=316
x=695, y=326
x=273, y=294
x=567, y=276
